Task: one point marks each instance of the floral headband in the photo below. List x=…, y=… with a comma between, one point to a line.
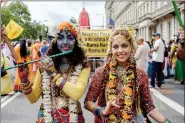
x=68, y=26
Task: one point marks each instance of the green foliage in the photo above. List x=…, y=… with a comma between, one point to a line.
x=19, y=12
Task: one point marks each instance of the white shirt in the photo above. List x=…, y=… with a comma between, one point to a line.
x=158, y=55
x=147, y=46
x=141, y=56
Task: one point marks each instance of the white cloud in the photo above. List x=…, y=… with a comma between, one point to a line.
x=62, y=11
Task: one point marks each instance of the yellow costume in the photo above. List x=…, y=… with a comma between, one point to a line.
x=6, y=83
x=75, y=91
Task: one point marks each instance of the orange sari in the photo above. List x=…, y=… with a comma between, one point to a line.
x=17, y=86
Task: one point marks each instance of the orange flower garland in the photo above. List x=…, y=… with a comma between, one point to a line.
x=128, y=96
x=68, y=25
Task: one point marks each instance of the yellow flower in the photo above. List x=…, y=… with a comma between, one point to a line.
x=131, y=76
x=112, y=96
x=111, y=76
x=112, y=117
x=128, y=103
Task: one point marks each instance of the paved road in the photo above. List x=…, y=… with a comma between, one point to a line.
x=17, y=109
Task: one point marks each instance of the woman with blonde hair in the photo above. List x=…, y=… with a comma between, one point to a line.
x=120, y=89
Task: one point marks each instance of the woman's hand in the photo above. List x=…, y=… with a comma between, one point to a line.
x=110, y=107
x=47, y=64
x=23, y=73
x=3, y=32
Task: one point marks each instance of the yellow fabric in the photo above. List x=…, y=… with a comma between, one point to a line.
x=13, y=30
x=75, y=91
x=36, y=89
x=6, y=83
x=173, y=47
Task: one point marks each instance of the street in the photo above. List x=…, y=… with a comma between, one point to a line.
x=15, y=108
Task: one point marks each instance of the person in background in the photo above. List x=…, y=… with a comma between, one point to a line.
x=149, y=61
x=44, y=48
x=29, y=48
x=157, y=60
x=35, y=55
x=6, y=80
x=180, y=63
x=141, y=55
x=21, y=51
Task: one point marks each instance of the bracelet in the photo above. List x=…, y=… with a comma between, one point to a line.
x=62, y=83
x=100, y=111
x=26, y=87
x=26, y=92
x=25, y=84
x=166, y=121
x=56, y=77
x=95, y=111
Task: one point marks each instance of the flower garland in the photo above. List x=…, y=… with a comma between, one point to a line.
x=128, y=80
x=72, y=103
x=48, y=100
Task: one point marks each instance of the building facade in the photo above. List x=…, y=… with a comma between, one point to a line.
x=147, y=17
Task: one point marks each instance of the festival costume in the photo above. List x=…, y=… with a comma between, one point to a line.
x=6, y=82
x=17, y=83
x=69, y=90
x=129, y=85
x=97, y=93
x=35, y=48
x=180, y=65
x=60, y=92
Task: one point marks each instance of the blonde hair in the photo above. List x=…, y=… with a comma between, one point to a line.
x=121, y=33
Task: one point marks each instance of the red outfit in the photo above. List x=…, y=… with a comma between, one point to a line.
x=96, y=93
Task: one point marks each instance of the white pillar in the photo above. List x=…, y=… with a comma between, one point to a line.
x=182, y=16
x=147, y=33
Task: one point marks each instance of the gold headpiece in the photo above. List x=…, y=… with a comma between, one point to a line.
x=120, y=34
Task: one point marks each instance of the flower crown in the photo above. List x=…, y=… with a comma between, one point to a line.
x=68, y=26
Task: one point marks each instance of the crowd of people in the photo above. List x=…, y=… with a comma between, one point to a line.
x=119, y=90
x=161, y=59
x=25, y=50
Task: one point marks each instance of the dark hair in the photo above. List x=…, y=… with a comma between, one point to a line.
x=76, y=57
x=182, y=43
x=29, y=43
x=23, y=48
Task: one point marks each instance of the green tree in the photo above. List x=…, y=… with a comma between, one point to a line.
x=19, y=12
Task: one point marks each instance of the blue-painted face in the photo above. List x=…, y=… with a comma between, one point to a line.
x=65, y=41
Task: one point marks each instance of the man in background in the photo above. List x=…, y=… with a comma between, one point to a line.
x=157, y=60
x=141, y=54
